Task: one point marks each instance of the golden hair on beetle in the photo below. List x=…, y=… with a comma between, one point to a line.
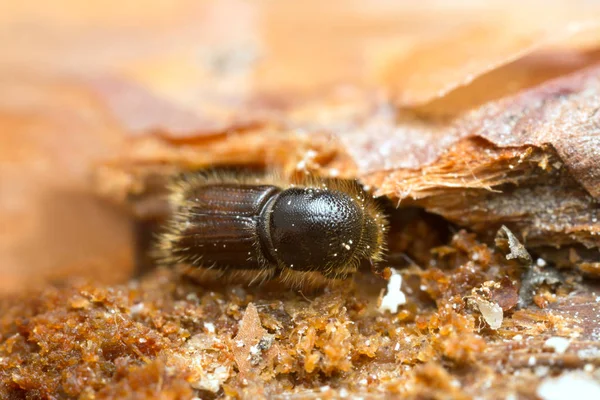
x=246, y=227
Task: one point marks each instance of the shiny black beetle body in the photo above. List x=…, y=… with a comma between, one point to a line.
x=254, y=228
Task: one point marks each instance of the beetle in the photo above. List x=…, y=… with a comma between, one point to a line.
x=253, y=227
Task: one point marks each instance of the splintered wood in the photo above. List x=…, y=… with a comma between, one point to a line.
x=253, y=345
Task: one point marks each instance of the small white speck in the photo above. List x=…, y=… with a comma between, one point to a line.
x=558, y=344
x=397, y=346
x=343, y=393
x=210, y=327
x=136, y=308
x=491, y=312
x=350, y=241
x=301, y=165
x=531, y=362
x=540, y=262
x=142, y=340
x=394, y=296
x=254, y=350
x=518, y=337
